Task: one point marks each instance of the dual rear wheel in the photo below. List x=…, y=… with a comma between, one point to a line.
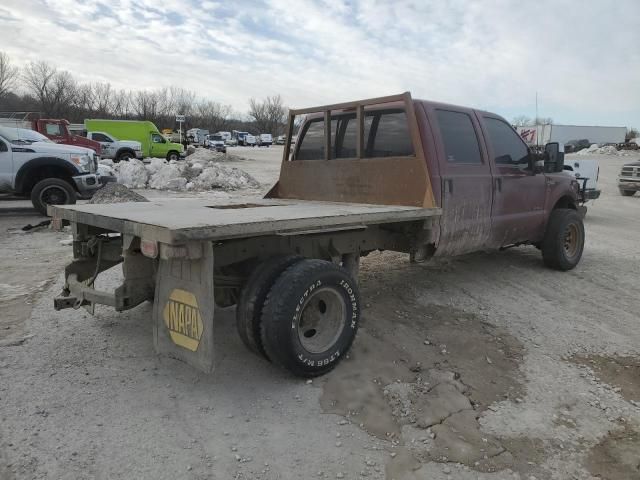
x=301, y=314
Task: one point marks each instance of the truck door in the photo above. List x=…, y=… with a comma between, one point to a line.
x=466, y=182
x=6, y=167
x=107, y=144
x=519, y=194
x=158, y=147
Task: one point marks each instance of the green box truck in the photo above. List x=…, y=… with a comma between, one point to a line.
x=145, y=132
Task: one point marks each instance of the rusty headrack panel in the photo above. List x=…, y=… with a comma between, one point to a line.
x=380, y=180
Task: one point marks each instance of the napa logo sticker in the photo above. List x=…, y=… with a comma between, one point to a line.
x=183, y=319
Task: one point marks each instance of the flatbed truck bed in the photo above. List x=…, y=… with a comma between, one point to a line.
x=173, y=221
x=189, y=255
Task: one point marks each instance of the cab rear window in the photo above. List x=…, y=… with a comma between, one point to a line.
x=386, y=134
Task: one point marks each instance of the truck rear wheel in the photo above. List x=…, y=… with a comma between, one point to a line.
x=252, y=298
x=563, y=241
x=310, y=317
x=52, y=191
x=627, y=193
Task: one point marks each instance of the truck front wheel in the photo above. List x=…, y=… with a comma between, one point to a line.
x=627, y=193
x=173, y=156
x=563, y=241
x=52, y=191
x=310, y=317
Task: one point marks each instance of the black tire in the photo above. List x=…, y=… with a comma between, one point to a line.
x=627, y=193
x=124, y=156
x=319, y=294
x=173, y=156
x=252, y=298
x=563, y=241
x=52, y=191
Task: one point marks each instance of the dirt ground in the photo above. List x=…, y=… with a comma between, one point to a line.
x=487, y=366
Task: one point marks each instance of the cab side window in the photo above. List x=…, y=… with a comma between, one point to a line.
x=53, y=129
x=459, y=137
x=3, y=147
x=508, y=147
x=155, y=138
x=101, y=137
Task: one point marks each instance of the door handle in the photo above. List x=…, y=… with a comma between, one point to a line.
x=448, y=185
x=498, y=184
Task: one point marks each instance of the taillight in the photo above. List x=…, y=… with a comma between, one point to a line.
x=149, y=248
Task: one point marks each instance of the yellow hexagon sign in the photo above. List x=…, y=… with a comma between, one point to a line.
x=183, y=319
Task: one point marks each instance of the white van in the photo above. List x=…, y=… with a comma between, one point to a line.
x=265, y=140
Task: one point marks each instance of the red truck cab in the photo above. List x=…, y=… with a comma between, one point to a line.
x=57, y=130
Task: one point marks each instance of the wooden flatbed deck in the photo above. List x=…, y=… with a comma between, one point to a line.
x=174, y=221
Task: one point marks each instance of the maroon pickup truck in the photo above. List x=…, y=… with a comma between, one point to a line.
x=494, y=192
x=392, y=173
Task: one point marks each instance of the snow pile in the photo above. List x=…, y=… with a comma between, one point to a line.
x=133, y=173
x=218, y=176
x=200, y=171
x=605, y=150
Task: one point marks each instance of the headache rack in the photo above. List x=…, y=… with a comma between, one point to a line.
x=375, y=180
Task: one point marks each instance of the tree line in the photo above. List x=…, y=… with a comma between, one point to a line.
x=53, y=93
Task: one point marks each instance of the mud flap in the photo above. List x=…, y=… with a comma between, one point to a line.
x=183, y=309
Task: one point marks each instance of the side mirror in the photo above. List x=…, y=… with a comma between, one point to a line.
x=554, y=156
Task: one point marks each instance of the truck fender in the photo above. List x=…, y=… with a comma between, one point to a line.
x=123, y=150
x=26, y=172
x=566, y=201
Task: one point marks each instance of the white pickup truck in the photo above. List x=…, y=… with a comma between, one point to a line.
x=115, y=149
x=50, y=173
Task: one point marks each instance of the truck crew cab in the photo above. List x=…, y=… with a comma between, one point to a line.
x=50, y=173
x=392, y=173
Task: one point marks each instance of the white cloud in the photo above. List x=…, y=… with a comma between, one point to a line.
x=582, y=58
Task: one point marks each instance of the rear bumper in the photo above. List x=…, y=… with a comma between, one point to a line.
x=628, y=184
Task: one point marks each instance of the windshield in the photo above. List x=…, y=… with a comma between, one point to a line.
x=216, y=137
x=22, y=136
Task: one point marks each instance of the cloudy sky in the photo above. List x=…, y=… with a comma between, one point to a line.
x=583, y=58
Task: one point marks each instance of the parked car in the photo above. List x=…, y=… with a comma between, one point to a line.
x=50, y=174
x=280, y=140
x=215, y=142
x=239, y=137
x=152, y=142
x=264, y=140
x=573, y=146
x=629, y=179
x=249, y=140
x=115, y=149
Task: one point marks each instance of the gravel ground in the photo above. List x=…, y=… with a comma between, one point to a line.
x=486, y=366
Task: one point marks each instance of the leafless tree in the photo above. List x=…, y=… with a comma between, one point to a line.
x=8, y=74
x=269, y=115
x=522, y=121
x=54, y=90
x=213, y=115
